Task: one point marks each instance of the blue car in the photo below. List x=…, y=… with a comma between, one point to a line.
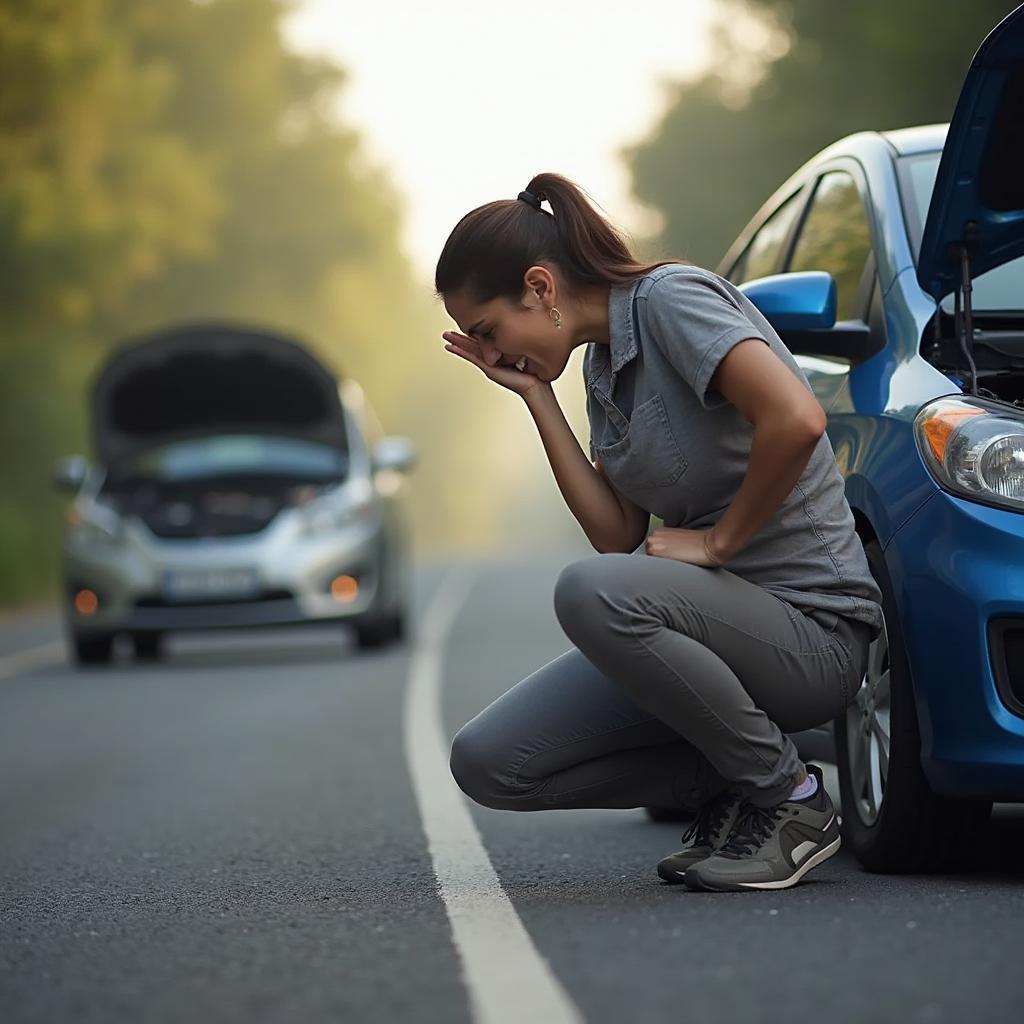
x=890, y=264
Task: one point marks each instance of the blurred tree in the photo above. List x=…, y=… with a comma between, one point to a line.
x=790, y=77
x=95, y=193
x=164, y=161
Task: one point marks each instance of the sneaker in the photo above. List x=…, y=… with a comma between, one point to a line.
x=772, y=847
x=708, y=831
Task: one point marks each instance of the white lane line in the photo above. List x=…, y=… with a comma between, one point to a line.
x=48, y=654
x=508, y=980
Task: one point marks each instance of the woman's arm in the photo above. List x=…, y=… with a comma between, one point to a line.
x=788, y=422
x=638, y=520
x=610, y=521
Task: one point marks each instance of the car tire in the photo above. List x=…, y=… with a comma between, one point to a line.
x=148, y=646
x=378, y=632
x=892, y=820
x=92, y=648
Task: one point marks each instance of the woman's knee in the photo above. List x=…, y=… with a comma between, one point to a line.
x=581, y=585
x=479, y=770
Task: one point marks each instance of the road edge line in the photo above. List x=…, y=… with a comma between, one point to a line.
x=47, y=654
x=507, y=979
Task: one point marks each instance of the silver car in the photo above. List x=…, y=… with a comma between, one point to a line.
x=237, y=483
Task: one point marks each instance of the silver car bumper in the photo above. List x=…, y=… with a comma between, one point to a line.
x=292, y=570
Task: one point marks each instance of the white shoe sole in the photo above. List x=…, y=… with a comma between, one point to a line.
x=784, y=883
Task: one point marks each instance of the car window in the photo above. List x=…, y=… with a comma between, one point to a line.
x=835, y=236
x=761, y=257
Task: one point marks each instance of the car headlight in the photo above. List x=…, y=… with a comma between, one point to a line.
x=95, y=525
x=326, y=514
x=974, y=448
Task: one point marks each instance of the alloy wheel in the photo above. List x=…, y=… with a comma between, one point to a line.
x=868, y=732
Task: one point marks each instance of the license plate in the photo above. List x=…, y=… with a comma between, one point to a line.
x=185, y=583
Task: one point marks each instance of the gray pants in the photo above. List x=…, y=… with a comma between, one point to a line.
x=683, y=681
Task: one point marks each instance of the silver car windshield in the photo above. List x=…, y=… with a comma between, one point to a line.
x=1001, y=288
x=236, y=455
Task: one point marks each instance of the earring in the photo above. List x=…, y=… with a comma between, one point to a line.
x=556, y=316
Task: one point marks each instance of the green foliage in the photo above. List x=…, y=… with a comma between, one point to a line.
x=848, y=67
x=171, y=160
x=95, y=191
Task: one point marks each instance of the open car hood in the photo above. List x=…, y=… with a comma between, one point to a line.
x=196, y=380
x=980, y=178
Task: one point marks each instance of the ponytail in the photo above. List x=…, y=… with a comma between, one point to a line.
x=491, y=248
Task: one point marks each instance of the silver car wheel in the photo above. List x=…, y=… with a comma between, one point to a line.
x=867, y=733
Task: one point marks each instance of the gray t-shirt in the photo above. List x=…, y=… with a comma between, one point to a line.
x=680, y=450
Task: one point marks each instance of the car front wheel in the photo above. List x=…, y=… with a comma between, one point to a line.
x=378, y=632
x=892, y=819
x=93, y=649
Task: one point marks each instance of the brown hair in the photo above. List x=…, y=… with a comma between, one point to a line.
x=491, y=248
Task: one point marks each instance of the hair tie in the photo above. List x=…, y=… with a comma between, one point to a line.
x=529, y=197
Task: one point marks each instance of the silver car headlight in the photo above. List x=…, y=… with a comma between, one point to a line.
x=95, y=524
x=974, y=448
x=332, y=513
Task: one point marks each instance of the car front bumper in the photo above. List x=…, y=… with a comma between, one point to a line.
x=957, y=567
x=294, y=576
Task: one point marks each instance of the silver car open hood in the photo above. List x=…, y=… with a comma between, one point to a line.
x=200, y=379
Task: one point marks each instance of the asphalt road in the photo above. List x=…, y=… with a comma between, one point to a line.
x=234, y=835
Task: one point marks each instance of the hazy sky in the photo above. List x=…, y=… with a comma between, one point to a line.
x=465, y=100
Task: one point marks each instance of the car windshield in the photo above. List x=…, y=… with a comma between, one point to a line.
x=999, y=289
x=236, y=455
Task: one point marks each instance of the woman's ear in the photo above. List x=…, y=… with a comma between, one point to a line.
x=541, y=283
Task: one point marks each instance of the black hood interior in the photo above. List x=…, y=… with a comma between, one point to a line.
x=204, y=379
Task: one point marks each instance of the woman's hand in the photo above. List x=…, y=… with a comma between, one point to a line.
x=695, y=546
x=503, y=371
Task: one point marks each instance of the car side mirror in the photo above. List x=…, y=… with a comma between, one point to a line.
x=805, y=300
x=848, y=339
x=70, y=472
x=802, y=308
x=394, y=452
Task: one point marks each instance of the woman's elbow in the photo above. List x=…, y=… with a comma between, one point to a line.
x=816, y=421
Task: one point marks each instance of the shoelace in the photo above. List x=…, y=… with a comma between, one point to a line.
x=708, y=819
x=751, y=828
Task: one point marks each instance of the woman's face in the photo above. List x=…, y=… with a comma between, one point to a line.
x=507, y=330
